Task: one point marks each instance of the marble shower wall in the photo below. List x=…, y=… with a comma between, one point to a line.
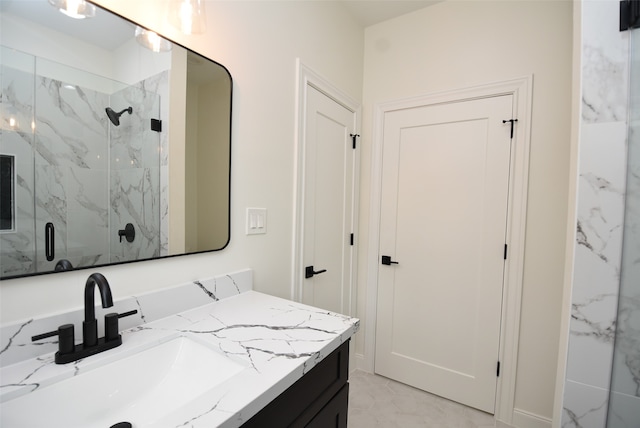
x=624, y=401
x=601, y=189
x=17, y=247
x=136, y=191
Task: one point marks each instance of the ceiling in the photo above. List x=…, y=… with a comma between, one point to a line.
x=366, y=12
x=369, y=12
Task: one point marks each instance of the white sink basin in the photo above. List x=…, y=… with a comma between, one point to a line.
x=140, y=389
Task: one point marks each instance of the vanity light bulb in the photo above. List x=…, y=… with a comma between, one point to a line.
x=154, y=41
x=186, y=17
x=151, y=40
x=77, y=9
x=33, y=125
x=12, y=122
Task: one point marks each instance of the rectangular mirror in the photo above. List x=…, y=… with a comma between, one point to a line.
x=95, y=129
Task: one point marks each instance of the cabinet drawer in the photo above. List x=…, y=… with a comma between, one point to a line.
x=334, y=414
x=300, y=403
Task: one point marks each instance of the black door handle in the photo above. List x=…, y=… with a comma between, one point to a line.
x=309, y=272
x=386, y=260
x=49, y=242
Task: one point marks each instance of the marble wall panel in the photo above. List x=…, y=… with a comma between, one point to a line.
x=135, y=173
x=17, y=246
x=70, y=147
x=624, y=403
x=600, y=211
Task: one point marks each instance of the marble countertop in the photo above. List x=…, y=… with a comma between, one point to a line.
x=277, y=340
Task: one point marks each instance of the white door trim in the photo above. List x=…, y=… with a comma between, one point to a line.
x=521, y=89
x=306, y=77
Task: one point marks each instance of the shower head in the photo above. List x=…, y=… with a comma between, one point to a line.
x=115, y=117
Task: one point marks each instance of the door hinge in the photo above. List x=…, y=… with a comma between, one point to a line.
x=353, y=137
x=351, y=239
x=512, y=123
x=505, y=251
x=629, y=14
x=156, y=125
x=498, y=370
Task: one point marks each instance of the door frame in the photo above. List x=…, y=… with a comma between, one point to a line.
x=305, y=78
x=522, y=90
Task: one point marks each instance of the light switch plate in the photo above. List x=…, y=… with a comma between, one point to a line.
x=256, y=221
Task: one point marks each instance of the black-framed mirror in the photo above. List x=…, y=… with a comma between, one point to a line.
x=111, y=152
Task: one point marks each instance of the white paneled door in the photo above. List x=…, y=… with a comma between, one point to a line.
x=328, y=203
x=445, y=178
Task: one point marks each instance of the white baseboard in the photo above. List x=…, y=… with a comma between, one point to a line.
x=357, y=362
x=522, y=419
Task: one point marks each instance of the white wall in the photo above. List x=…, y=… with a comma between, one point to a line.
x=258, y=42
x=457, y=44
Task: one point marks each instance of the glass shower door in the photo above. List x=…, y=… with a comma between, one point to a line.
x=624, y=395
x=17, y=139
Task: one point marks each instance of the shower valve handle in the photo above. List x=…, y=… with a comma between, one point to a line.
x=129, y=232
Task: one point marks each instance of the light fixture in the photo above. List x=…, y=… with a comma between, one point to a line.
x=187, y=16
x=77, y=9
x=151, y=40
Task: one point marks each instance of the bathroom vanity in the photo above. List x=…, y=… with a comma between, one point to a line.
x=249, y=360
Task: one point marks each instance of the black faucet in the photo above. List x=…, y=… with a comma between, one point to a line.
x=67, y=350
x=90, y=324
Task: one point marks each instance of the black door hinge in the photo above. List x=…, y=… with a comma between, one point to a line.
x=156, y=125
x=353, y=137
x=498, y=370
x=512, y=122
x=629, y=14
x=505, y=251
x=351, y=239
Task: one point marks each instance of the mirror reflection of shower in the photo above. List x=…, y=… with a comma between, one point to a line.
x=115, y=117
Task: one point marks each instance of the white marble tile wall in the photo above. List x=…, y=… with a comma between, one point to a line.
x=624, y=403
x=160, y=85
x=135, y=171
x=15, y=339
x=17, y=247
x=601, y=187
x=71, y=169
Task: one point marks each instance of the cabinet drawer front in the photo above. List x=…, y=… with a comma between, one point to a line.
x=296, y=406
x=334, y=414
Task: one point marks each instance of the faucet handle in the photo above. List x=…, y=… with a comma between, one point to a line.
x=111, y=327
x=66, y=338
x=111, y=324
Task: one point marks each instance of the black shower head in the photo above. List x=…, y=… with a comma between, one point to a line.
x=115, y=117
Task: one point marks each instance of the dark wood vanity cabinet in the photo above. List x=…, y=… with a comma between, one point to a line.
x=318, y=400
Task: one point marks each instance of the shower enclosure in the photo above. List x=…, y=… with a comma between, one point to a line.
x=71, y=179
x=624, y=394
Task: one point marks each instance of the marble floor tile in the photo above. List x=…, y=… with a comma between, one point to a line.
x=378, y=402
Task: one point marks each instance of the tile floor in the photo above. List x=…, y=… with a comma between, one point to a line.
x=378, y=402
